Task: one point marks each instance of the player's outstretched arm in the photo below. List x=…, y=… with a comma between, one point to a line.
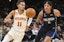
x=40, y=16
x=28, y=24
x=8, y=17
x=58, y=14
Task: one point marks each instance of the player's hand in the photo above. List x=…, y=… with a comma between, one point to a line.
x=7, y=20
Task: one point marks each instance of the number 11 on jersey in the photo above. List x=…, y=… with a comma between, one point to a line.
x=19, y=24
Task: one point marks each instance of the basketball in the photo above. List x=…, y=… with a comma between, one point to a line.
x=30, y=12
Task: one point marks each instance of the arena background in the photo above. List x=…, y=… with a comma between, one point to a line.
x=7, y=5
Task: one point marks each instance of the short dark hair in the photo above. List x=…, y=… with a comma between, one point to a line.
x=49, y=2
x=19, y=1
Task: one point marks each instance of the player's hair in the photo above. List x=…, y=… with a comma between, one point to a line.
x=19, y=1
x=48, y=2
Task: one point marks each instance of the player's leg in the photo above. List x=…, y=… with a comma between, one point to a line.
x=40, y=34
x=19, y=38
x=7, y=38
x=38, y=37
x=49, y=35
x=47, y=39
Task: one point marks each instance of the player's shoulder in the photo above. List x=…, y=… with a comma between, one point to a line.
x=13, y=12
x=56, y=10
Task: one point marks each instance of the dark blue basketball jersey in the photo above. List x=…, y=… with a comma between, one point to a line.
x=49, y=19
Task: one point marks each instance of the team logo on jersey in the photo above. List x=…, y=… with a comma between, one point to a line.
x=21, y=18
x=51, y=14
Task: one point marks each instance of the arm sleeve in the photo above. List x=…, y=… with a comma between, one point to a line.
x=30, y=21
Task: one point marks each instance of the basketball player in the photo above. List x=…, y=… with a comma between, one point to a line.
x=48, y=29
x=20, y=24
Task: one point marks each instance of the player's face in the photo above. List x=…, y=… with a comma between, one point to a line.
x=47, y=7
x=21, y=5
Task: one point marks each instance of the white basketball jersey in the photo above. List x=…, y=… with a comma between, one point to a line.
x=20, y=21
